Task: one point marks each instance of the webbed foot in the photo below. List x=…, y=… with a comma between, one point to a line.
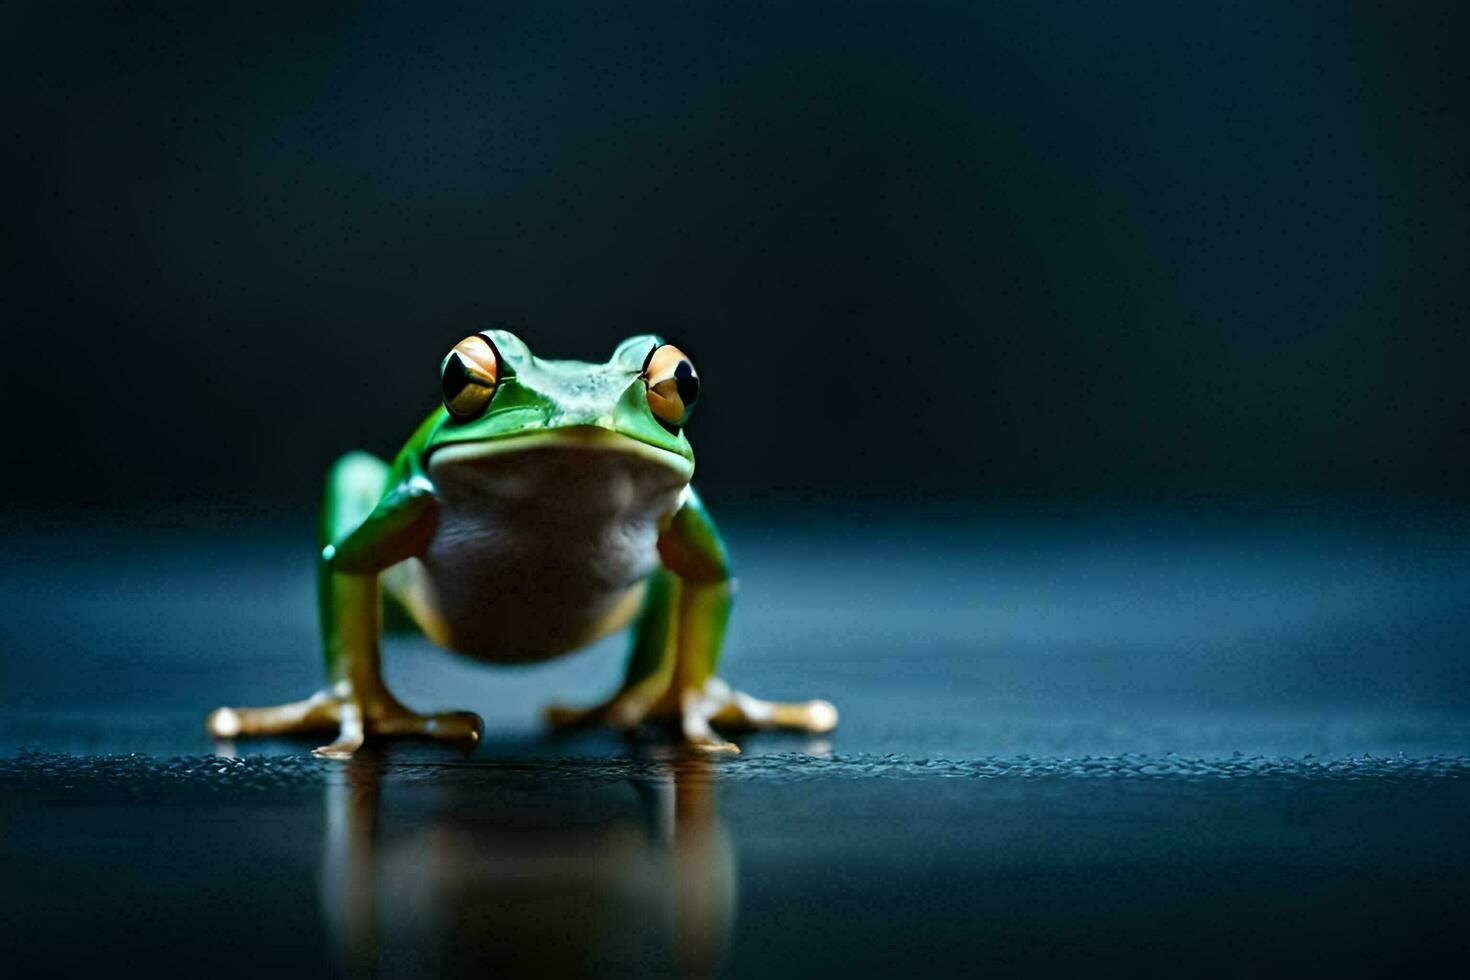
x=356, y=720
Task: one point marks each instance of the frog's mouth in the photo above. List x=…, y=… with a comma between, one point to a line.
x=588, y=438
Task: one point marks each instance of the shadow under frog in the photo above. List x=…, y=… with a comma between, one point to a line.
x=545, y=868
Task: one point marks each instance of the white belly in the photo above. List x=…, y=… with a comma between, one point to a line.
x=545, y=549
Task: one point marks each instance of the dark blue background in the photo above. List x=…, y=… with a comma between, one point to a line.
x=917, y=250
x=1084, y=407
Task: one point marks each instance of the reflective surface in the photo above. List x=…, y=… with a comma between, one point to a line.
x=1228, y=741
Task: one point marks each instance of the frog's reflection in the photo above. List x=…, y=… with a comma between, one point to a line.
x=527, y=870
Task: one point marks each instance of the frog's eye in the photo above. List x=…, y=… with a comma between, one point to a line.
x=468, y=377
x=673, y=385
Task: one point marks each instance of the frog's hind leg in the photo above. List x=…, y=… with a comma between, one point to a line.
x=671, y=673
x=670, y=679
x=697, y=702
x=650, y=665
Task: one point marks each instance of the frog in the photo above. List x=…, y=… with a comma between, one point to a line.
x=541, y=506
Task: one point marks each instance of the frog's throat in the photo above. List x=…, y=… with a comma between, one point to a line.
x=584, y=437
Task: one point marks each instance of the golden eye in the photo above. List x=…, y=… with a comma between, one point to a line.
x=468, y=377
x=673, y=385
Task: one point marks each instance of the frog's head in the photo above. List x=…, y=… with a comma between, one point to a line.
x=498, y=396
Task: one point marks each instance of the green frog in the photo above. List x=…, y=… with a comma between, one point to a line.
x=543, y=505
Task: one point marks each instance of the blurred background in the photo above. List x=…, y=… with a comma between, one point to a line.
x=940, y=253
x=1084, y=404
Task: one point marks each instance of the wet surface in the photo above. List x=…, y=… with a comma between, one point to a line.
x=1224, y=743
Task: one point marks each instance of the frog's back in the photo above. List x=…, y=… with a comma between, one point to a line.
x=543, y=550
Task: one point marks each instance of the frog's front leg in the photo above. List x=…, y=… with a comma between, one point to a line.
x=351, y=622
x=671, y=672
x=356, y=702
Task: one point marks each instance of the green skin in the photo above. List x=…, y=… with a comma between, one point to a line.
x=376, y=517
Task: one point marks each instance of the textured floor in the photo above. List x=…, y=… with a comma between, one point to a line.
x=1221, y=743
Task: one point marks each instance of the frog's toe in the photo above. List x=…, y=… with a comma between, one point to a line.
x=349, y=737
x=223, y=723
x=318, y=713
x=462, y=728
x=700, y=737
x=625, y=712
x=741, y=712
x=342, y=748
x=712, y=745
x=620, y=713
